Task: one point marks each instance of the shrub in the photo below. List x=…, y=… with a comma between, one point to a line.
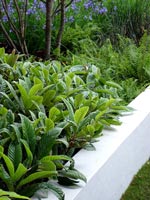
x=47, y=113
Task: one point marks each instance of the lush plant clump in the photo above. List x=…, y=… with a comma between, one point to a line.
x=128, y=64
x=47, y=113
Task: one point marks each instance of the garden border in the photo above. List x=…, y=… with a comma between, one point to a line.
x=120, y=153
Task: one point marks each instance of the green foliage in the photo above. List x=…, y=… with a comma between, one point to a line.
x=128, y=18
x=46, y=114
x=9, y=195
x=126, y=64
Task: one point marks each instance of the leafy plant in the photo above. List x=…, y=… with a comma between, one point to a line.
x=47, y=114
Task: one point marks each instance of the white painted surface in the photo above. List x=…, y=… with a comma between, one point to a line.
x=119, y=154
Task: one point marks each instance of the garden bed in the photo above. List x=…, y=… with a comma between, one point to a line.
x=119, y=154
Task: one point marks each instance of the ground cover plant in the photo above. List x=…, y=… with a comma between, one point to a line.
x=47, y=113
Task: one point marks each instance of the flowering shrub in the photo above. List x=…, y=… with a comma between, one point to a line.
x=34, y=19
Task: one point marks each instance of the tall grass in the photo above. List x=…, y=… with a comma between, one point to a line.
x=130, y=18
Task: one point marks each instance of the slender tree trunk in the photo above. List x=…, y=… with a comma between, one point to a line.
x=48, y=29
x=8, y=38
x=19, y=32
x=62, y=24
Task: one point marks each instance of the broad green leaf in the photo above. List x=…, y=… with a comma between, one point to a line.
x=5, y=198
x=5, y=130
x=35, y=176
x=104, y=91
x=55, y=132
x=48, y=96
x=113, y=84
x=4, y=141
x=3, y=110
x=68, y=81
x=89, y=147
x=45, y=145
x=6, y=177
x=21, y=170
x=9, y=164
x=1, y=150
x=53, y=188
x=28, y=132
x=12, y=58
x=49, y=124
x=15, y=153
x=78, y=81
x=37, y=81
x=29, y=159
x=106, y=103
x=105, y=122
x=63, y=141
x=15, y=127
x=35, y=89
x=74, y=174
x=80, y=114
x=25, y=97
x=53, y=112
x=36, y=100
x=90, y=128
x=10, y=117
x=113, y=121
x=78, y=100
x=13, y=92
x=100, y=114
x=87, y=119
x=56, y=157
x=46, y=89
x=46, y=165
x=70, y=109
x=123, y=108
x=47, y=141
x=46, y=74
x=11, y=195
x=7, y=97
x=66, y=181
x=73, y=91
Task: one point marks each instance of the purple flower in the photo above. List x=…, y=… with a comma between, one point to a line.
x=4, y=18
x=73, y=6
x=88, y=5
x=103, y=10
x=29, y=11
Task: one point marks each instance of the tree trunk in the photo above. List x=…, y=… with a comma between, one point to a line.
x=62, y=24
x=48, y=28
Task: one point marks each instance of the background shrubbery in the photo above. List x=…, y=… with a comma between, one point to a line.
x=98, y=20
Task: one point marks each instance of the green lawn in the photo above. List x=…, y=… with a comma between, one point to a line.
x=139, y=188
